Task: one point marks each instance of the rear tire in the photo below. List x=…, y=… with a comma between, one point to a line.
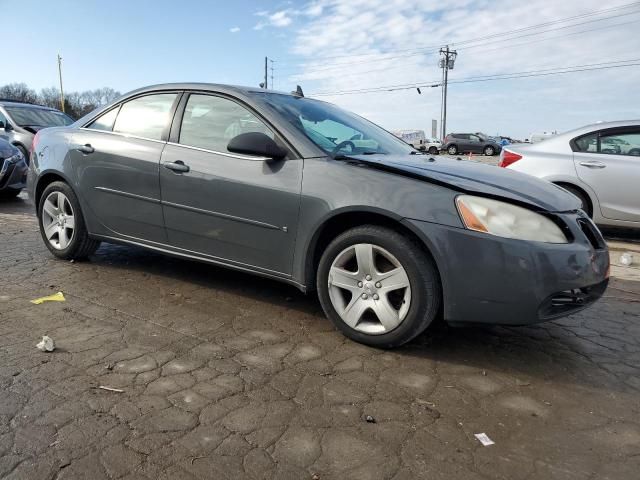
x=452, y=150
x=586, y=203
x=79, y=244
x=417, y=270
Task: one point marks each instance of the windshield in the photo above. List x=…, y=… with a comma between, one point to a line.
x=334, y=130
x=38, y=117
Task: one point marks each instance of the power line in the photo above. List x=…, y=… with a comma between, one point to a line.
x=486, y=78
x=385, y=68
x=416, y=50
x=550, y=30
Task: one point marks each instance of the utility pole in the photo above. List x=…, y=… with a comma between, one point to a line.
x=273, y=85
x=60, y=75
x=447, y=60
x=266, y=78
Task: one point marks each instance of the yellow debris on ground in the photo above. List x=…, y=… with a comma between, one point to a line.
x=56, y=297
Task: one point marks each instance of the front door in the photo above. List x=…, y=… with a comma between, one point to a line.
x=475, y=144
x=609, y=162
x=230, y=207
x=117, y=159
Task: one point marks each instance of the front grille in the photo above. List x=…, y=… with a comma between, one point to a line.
x=569, y=301
x=592, y=233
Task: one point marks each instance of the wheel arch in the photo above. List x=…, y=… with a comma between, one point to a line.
x=47, y=178
x=344, y=219
x=587, y=195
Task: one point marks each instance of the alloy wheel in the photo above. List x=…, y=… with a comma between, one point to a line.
x=58, y=220
x=369, y=289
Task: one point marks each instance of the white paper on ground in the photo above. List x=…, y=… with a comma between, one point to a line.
x=484, y=439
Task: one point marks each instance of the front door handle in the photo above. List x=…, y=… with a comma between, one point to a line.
x=178, y=166
x=592, y=164
x=86, y=149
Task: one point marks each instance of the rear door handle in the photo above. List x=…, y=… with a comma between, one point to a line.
x=177, y=166
x=86, y=149
x=592, y=164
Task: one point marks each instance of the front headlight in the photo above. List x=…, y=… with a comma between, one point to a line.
x=507, y=220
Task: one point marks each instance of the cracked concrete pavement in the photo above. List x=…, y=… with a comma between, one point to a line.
x=226, y=375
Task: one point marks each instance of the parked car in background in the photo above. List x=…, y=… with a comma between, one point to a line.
x=433, y=146
x=274, y=184
x=455, y=143
x=538, y=137
x=13, y=170
x=19, y=122
x=600, y=164
x=415, y=138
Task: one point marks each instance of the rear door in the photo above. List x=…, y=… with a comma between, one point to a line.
x=236, y=208
x=117, y=158
x=609, y=162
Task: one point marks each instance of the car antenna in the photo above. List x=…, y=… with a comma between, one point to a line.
x=298, y=92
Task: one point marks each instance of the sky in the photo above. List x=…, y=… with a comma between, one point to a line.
x=330, y=46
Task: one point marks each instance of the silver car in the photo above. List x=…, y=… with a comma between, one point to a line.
x=600, y=164
x=19, y=122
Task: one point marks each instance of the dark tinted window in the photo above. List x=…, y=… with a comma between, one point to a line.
x=209, y=122
x=105, y=121
x=145, y=116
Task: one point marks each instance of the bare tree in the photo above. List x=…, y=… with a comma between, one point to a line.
x=76, y=104
x=19, y=92
x=50, y=97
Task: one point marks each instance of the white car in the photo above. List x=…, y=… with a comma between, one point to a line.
x=599, y=163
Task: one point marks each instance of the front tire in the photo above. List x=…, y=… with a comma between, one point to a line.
x=377, y=286
x=489, y=151
x=452, y=150
x=62, y=225
x=433, y=150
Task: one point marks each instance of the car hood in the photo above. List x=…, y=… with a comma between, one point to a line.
x=7, y=150
x=475, y=177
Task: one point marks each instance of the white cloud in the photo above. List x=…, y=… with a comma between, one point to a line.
x=359, y=44
x=284, y=17
x=279, y=19
x=234, y=29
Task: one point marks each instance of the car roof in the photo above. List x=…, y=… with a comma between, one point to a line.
x=13, y=103
x=204, y=86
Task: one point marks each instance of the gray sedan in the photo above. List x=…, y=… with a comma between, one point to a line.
x=599, y=163
x=304, y=192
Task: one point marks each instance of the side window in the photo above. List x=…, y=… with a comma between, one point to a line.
x=474, y=138
x=104, y=122
x=209, y=122
x=3, y=119
x=145, y=116
x=627, y=143
x=588, y=143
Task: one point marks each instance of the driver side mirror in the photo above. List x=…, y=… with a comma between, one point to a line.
x=258, y=144
x=2, y=125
